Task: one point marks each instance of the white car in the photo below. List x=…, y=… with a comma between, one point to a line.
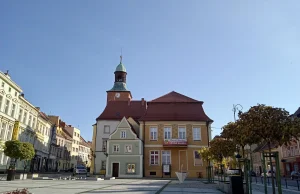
x=268, y=174
x=80, y=170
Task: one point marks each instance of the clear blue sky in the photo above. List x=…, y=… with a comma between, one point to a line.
x=63, y=53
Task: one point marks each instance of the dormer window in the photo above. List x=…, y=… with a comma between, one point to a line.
x=123, y=134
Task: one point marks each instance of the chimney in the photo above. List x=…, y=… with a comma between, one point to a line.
x=38, y=108
x=143, y=101
x=129, y=101
x=23, y=95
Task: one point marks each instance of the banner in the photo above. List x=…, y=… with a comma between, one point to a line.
x=15, y=134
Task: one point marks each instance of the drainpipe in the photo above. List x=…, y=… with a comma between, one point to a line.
x=207, y=124
x=144, y=148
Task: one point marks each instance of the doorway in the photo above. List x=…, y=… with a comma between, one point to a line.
x=183, y=160
x=115, y=172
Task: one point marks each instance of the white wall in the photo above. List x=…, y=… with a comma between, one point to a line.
x=100, y=135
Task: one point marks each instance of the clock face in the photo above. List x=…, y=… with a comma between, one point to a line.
x=118, y=95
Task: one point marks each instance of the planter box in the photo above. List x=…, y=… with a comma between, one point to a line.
x=21, y=176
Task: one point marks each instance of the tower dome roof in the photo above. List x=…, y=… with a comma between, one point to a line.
x=121, y=67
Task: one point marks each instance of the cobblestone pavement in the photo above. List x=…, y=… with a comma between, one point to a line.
x=118, y=186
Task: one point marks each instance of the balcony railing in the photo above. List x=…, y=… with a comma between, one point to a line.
x=175, y=142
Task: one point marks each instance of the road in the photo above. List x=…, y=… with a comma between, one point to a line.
x=285, y=182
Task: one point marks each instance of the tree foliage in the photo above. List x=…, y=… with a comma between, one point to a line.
x=26, y=151
x=12, y=149
x=271, y=124
x=221, y=148
x=206, y=154
x=19, y=150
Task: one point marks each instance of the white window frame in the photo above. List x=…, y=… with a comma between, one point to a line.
x=6, y=106
x=154, y=131
x=25, y=114
x=20, y=114
x=167, y=130
x=123, y=134
x=118, y=148
x=126, y=150
x=180, y=128
x=164, y=154
x=131, y=168
x=154, y=154
x=197, y=133
x=195, y=159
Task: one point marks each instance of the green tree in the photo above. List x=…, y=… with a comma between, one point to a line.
x=221, y=148
x=273, y=125
x=205, y=154
x=12, y=150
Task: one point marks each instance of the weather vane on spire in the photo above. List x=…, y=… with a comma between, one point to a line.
x=121, y=57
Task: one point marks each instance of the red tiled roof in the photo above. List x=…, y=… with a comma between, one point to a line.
x=175, y=107
x=174, y=97
x=116, y=110
x=44, y=116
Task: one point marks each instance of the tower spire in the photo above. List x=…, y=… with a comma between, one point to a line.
x=121, y=56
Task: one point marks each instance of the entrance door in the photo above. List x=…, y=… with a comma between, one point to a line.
x=183, y=160
x=115, y=172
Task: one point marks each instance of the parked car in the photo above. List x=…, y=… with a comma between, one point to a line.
x=80, y=170
x=268, y=174
x=295, y=175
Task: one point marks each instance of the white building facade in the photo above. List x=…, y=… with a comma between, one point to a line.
x=9, y=106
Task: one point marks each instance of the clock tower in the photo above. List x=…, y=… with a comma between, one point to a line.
x=119, y=91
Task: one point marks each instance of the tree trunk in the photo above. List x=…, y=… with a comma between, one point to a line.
x=243, y=151
x=270, y=158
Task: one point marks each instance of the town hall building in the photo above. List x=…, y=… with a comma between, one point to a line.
x=171, y=130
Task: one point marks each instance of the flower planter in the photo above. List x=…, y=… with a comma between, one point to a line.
x=11, y=175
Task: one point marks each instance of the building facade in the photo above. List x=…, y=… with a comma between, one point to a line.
x=9, y=106
x=75, y=134
x=119, y=104
x=84, y=153
x=125, y=152
x=175, y=127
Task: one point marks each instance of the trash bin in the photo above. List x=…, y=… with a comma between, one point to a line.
x=236, y=185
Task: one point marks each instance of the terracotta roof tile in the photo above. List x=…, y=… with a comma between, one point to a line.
x=116, y=110
x=174, y=97
x=181, y=111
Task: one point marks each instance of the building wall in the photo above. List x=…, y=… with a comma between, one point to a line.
x=99, y=138
x=182, y=158
x=92, y=170
x=75, y=144
x=123, y=163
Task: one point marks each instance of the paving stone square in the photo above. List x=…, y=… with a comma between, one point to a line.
x=118, y=186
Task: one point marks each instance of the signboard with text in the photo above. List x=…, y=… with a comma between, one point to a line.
x=175, y=142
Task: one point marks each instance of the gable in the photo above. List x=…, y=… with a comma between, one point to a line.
x=174, y=97
x=123, y=126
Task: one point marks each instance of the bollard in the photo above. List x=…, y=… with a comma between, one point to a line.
x=297, y=183
x=262, y=182
x=285, y=183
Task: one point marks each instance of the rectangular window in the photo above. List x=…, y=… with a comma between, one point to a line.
x=73, y=149
x=153, y=133
x=1, y=100
x=181, y=133
x=103, y=165
x=168, y=133
x=123, y=134
x=116, y=148
x=197, y=133
x=197, y=159
x=29, y=121
x=106, y=129
x=33, y=124
x=166, y=157
x=13, y=109
x=16, y=93
x=2, y=84
x=76, y=149
x=130, y=168
x=9, y=89
x=154, y=157
x=20, y=114
x=128, y=148
x=3, y=130
x=6, y=107
x=24, y=117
